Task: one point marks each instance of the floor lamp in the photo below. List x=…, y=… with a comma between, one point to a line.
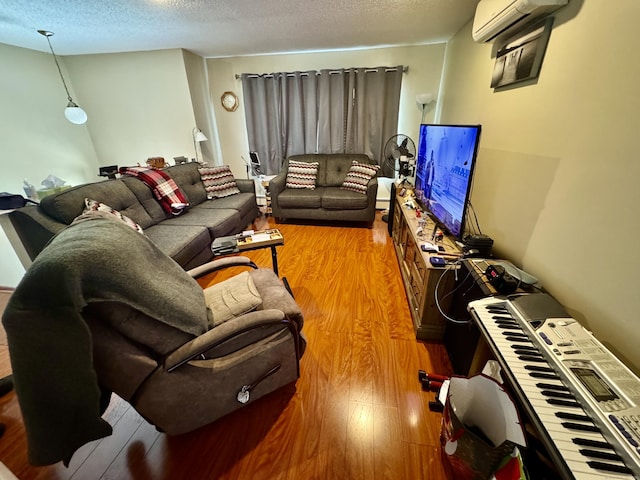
x=198, y=137
x=424, y=99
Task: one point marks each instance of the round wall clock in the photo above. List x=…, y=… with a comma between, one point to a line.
x=229, y=101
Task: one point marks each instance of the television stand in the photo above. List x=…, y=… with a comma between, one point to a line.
x=419, y=276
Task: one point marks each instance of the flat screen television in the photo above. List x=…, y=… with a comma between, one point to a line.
x=444, y=169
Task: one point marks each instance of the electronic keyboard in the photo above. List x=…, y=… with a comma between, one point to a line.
x=583, y=401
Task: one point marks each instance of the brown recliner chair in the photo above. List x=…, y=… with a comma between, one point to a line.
x=178, y=381
x=103, y=310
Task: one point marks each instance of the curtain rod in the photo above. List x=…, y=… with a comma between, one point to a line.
x=331, y=72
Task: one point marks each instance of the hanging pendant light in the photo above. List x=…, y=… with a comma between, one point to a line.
x=73, y=112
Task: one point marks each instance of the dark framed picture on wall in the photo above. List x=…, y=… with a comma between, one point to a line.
x=519, y=58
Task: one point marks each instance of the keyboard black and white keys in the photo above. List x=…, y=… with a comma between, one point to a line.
x=584, y=402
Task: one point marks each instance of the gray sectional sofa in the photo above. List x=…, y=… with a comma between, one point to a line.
x=327, y=201
x=186, y=238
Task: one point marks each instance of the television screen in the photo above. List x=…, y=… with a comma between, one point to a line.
x=444, y=168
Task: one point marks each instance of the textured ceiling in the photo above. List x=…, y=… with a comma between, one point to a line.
x=219, y=28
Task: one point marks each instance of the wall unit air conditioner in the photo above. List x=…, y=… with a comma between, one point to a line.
x=494, y=17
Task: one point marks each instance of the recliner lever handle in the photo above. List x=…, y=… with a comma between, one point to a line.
x=243, y=394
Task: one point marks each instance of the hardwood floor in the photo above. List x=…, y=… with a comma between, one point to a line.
x=356, y=412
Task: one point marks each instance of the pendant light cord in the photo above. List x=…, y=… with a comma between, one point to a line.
x=55, y=59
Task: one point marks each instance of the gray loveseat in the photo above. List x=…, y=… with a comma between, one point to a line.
x=185, y=238
x=327, y=201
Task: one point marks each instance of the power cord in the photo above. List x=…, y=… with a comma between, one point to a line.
x=450, y=266
x=473, y=211
x=470, y=228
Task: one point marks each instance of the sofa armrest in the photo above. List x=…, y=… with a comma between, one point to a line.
x=372, y=192
x=227, y=332
x=278, y=183
x=246, y=185
x=276, y=186
x=219, y=264
x=34, y=228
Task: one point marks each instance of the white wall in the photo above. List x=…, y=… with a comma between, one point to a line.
x=35, y=137
x=556, y=183
x=138, y=105
x=196, y=69
x=425, y=69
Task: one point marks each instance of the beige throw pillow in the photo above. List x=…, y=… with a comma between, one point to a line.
x=218, y=182
x=231, y=298
x=302, y=175
x=358, y=177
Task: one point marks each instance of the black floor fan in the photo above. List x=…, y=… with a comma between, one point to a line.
x=392, y=203
x=399, y=154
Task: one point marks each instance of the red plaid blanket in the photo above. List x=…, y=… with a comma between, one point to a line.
x=164, y=188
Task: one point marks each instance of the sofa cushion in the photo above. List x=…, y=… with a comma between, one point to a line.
x=336, y=198
x=218, y=182
x=244, y=203
x=146, y=199
x=95, y=206
x=180, y=242
x=188, y=179
x=171, y=198
x=358, y=177
x=337, y=166
x=302, y=175
x=301, y=198
x=220, y=222
x=68, y=204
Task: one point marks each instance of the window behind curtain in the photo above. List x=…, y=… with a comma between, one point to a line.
x=351, y=110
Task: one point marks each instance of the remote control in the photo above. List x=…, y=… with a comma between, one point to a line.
x=437, y=261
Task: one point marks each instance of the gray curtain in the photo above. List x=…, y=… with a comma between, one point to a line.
x=333, y=104
x=351, y=110
x=377, y=102
x=299, y=112
x=261, y=112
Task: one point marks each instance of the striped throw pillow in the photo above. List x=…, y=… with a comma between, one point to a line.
x=95, y=206
x=358, y=177
x=302, y=174
x=218, y=181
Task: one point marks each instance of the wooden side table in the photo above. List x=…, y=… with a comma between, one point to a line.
x=270, y=238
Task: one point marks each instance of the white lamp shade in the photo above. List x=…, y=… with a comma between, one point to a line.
x=424, y=98
x=75, y=114
x=200, y=137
